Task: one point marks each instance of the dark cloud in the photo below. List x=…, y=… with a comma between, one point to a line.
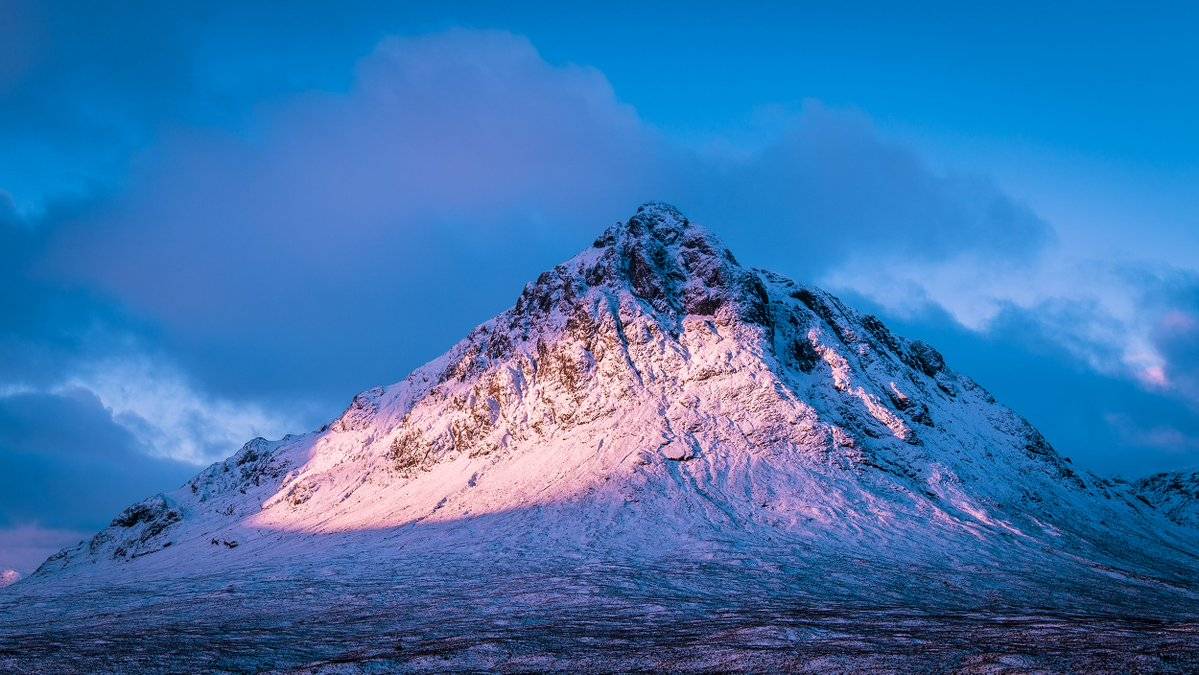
x=457, y=165
x=66, y=464
x=72, y=74
x=42, y=323
x=1176, y=336
x=56, y=335
x=832, y=189
x=74, y=71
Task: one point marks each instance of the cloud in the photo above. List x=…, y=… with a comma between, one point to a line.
x=1128, y=319
x=1176, y=338
x=168, y=417
x=831, y=190
x=354, y=234
x=66, y=463
x=56, y=339
x=1162, y=437
x=1105, y=421
x=25, y=547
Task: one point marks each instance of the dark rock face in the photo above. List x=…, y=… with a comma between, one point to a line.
x=136, y=531
x=408, y=453
x=927, y=359
x=154, y=510
x=679, y=269
x=648, y=256
x=647, y=279
x=138, y=513
x=1186, y=485
x=672, y=266
x=881, y=333
x=922, y=416
x=805, y=355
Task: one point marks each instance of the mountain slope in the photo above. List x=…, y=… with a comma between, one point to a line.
x=1175, y=494
x=652, y=406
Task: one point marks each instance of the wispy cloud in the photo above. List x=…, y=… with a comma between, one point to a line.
x=155, y=402
x=1161, y=437
x=1123, y=320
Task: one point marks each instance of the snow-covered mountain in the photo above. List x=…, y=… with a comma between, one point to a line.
x=1176, y=495
x=9, y=577
x=651, y=404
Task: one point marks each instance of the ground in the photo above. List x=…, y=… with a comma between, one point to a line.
x=467, y=612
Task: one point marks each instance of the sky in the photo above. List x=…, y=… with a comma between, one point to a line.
x=222, y=221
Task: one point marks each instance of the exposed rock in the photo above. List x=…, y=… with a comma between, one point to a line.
x=927, y=359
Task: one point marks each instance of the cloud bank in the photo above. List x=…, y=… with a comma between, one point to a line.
x=415, y=204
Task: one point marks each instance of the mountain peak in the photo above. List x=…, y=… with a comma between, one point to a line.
x=662, y=221
x=675, y=266
x=658, y=220
x=651, y=396
x=664, y=214
x=653, y=222
x=656, y=208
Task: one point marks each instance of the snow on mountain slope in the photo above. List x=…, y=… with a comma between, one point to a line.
x=1174, y=494
x=652, y=398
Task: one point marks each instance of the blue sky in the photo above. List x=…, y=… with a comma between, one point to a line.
x=217, y=222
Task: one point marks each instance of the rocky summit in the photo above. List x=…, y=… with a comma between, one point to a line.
x=657, y=458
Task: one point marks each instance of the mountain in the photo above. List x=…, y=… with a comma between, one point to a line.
x=9, y=577
x=657, y=437
x=1174, y=494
